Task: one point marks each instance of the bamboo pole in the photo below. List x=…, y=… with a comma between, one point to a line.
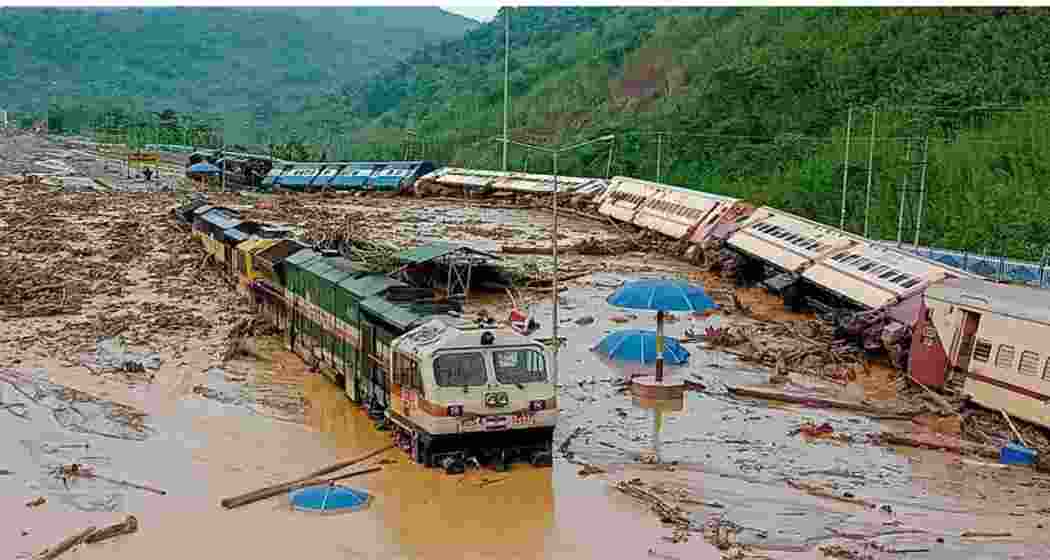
x=1014, y=428
x=287, y=485
x=275, y=490
x=126, y=483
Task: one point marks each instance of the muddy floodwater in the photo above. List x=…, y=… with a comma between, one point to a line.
x=201, y=430
x=731, y=457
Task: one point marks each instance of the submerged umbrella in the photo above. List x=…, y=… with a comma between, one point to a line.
x=204, y=168
x=329, y=498
x=629, y=351
x=660, y=296
x=637, y=345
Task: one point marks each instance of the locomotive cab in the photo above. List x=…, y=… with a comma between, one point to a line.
x=460, y=394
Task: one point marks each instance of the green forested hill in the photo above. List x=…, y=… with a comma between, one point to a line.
x=754, y=103
x=750, y=102
x=258, y=59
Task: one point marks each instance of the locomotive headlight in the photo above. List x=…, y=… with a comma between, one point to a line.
x=537, y=405
x=455, y=410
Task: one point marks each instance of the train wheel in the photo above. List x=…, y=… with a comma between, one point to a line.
x=426, y=458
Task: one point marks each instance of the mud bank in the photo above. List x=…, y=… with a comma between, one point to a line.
x=211, y=430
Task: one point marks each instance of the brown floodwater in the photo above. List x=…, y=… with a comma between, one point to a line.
x=734, y=455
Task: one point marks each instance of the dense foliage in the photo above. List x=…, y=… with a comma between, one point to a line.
x=213, y=59
x=749, y=102
x=754, y=103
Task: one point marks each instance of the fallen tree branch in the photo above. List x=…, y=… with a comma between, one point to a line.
x=126, y=527
x=66, y=544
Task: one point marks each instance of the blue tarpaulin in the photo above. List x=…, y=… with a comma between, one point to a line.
x=637, y=345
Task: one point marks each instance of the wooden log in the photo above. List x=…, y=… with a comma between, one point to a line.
x=940, y=442
x=273, y=491
x=550, y=281
x=66, y=544
x=287, y=485
x=823, y=493
x=771, y=394
x=946, y=407
x=126, y=527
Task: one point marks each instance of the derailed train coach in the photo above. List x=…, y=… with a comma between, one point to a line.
x=990, y=339
x=486, y=181
x=685, y=214
x=348, y=176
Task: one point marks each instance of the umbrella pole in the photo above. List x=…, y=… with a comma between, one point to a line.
x=659, y=346
x=657, y=417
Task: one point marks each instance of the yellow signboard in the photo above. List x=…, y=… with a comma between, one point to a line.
x=110, y=148
x=143, y=159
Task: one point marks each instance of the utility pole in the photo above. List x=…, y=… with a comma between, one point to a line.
x=554, y=283
x=659, y=153
x=845, y=169
x=506, y=82
x=922, y=188
x=871, y=166
x=904, y=194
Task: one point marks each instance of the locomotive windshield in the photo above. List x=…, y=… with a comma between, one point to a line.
x=460, y=370
x=522, y=365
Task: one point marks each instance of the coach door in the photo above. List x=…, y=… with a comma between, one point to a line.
x=964, y=340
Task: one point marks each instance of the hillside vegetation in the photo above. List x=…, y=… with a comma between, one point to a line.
x=755, y=104
x=750, y=102
x=255, y=59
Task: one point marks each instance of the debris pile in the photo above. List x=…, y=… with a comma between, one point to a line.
x=807, y=347
x=660, y=504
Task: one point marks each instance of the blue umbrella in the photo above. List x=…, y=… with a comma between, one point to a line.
x=204, y=168
x=660, y=296
x=329, y=498
x=635, y=345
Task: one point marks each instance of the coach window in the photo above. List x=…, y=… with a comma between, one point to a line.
x=1004, y=358
x=982, y=350
x=519, y=366
x=1029, y=363
x=460, y=370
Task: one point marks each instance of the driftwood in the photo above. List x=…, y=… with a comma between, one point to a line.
x=237, y=501
x=971, y=534
x=66, y=544
x=823, y=493
x=667, y=512
x=770, y=394
x=955, y=445
x=946, y=407
x=550, y=281
x=126, y=527
x=271, y=492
